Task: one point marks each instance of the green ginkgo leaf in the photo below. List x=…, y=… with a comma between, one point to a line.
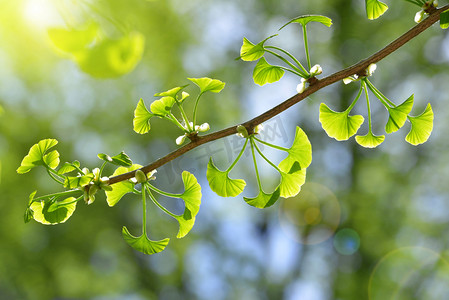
x=208, y=85
x=38, y=156
x=112, y=57
x=303, y=20
x=291, y=183
x=121, y=188
x=141, y=121
x=444, y=19
x=263, y=200
x=339, y=125
x=72, y=182
x=251, y=52
x=68, y=167
x=121, y=159
x=265, y=73
x=163, y=106
x=143, y=243
x=48, y=213
x=73, y=40
x=370, y=140
x=300, y=151
x=220, y=182
x=375, y=8
x=170, y=93
x=422, y=127
x=398, y=115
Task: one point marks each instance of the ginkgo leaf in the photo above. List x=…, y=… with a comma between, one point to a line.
x=265, y=73
x=121, y=159
x=171, y=92
x=263, y=200
x=162, y=106
x=37, y=156
x=143, y=243
x=398, y=115
x=68, y=167
x=121, y=188
x=300, y=151
x=375, y=8
x=303, y=20
x=444, y=19
x=422, y=127
x=72, y=182
x=48, y=213
x=220, y=182
x=111, y=58
x=73, y=40
x=339, y=125
x=251, y=52
x=207, y=84
x=370, y=140
x=291, y=183
x=141, y=121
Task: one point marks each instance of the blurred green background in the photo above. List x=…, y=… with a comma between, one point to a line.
x=369, y=224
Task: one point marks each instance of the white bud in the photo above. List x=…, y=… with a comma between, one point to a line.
x=203, y=127
x=419, y=16
x=258, y=128
x=242, y=132
x=371, y=68
x=180, y=139
x=302, y=86
x=96, y=173
x=85, y=171
x=316, y=70
x=435, y=3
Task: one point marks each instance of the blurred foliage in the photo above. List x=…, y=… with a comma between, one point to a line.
x=369, y=223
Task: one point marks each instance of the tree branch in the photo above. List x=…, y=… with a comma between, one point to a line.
x=316, y=85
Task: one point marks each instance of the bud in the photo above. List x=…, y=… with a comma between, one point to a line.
x=435, y=3
x=371, y=68
x=203, y=127
x=419, y=16
x=140, y=176
x=258, y=128
x=316, y=70
x=302, y=86
x=241, y=131
x=180, y=139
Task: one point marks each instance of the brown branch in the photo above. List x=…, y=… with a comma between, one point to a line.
x=358, y=68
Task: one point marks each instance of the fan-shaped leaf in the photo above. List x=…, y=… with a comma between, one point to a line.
x=121, y=159
x=207, y=84
x=162, y=106
x=37, y=156
x=422, y=127
x=300, y=151
x=143, y=243
x=265, y=73
x=72, y=182
x=370, y=140
x=72, y=40
x=68, y=167
x=263, y=200
x=112, y=58
x=141, y=121
x=49, y=213
x=170, y=93
x=444, y=19
x=121, y=188
x=375, y=8
x=291, y=183
x=303, y=20
x=251, y=52
x=398, y=115
x=220, y=182
x=339, y=125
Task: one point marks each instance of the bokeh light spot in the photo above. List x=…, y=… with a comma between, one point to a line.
x=346, y=241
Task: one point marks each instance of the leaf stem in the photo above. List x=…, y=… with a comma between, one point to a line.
x=264, y=157
x=60, y=194
x=271, y=145
x=195, y=108
x=306, y=46
x=184, y=116
x=355, y=100
x=379, y=95
x=367, y=105
x=238, y=157
x=175, y=121
x=288, y=63
x=162, y=192
x=255, y=165
x=292, y=71
x=291, y=56
x=54, y=175
x=144, y=209
x=158, y=204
